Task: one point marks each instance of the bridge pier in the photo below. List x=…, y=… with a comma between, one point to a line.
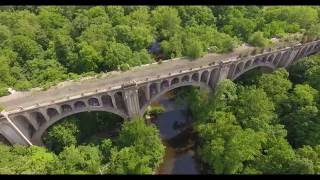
x=131, y=99
x=222, y=74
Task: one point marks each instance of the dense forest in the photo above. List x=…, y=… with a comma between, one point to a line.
x=269, y=124
x=262, y=123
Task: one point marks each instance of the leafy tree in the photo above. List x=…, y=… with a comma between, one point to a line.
x=280, y=84
x=128, y=161
x=257, y=39
x=312, y=77
x=173, y=47
x=117, y=54
x=314, y=31
x=25, y=160
x=193, y=48
x=62, y=135
x=167, y=21
x=302, y=122
x=145, y=139
x=196, y=15
x=298, y=71
x=240, y=27
x=77, y=160
x=253, y=108
x=226, y=146
x=310, y=154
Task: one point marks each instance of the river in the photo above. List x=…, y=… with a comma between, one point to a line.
x=175, y=130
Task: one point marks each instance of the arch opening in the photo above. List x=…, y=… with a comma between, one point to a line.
x=153, y=89
x=164, y=85
x=79, y=105
x=93, y=102
x=120, y=101
x=269, y=60
x=256, y=61
x=66, y=108
x=51, y=112
x=174, y=81
x=185, y=78
x=283, y=59
x=106, y=101
x=213, y=75
x=195, y=77
x=142, y=96
x=38, y=117
x=276, y=59
x=248, y=63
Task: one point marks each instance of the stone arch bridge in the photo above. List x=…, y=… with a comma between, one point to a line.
x=127, y=94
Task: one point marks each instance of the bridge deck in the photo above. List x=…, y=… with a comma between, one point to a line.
x=112, y=79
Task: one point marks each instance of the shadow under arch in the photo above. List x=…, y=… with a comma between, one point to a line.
x=36, y=138
x=266, y=65
x=172, y=87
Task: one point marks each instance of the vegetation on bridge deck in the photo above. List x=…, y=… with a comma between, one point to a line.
x=67, y=42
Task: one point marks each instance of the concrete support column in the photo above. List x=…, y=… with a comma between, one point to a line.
x=57, y=108
x=99, y=100
x=45, y=115
x=11, y=131
x=132, y=101
x=223, y=72
x=158, y=87
x=214, y=79
x=208, y=78
x=147, y=90
x=114, y=104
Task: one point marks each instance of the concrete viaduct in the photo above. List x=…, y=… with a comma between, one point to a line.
x=127, y=94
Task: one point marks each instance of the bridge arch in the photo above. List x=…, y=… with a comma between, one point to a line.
x=172, y=87
x=36, y=137
x=267, y=65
